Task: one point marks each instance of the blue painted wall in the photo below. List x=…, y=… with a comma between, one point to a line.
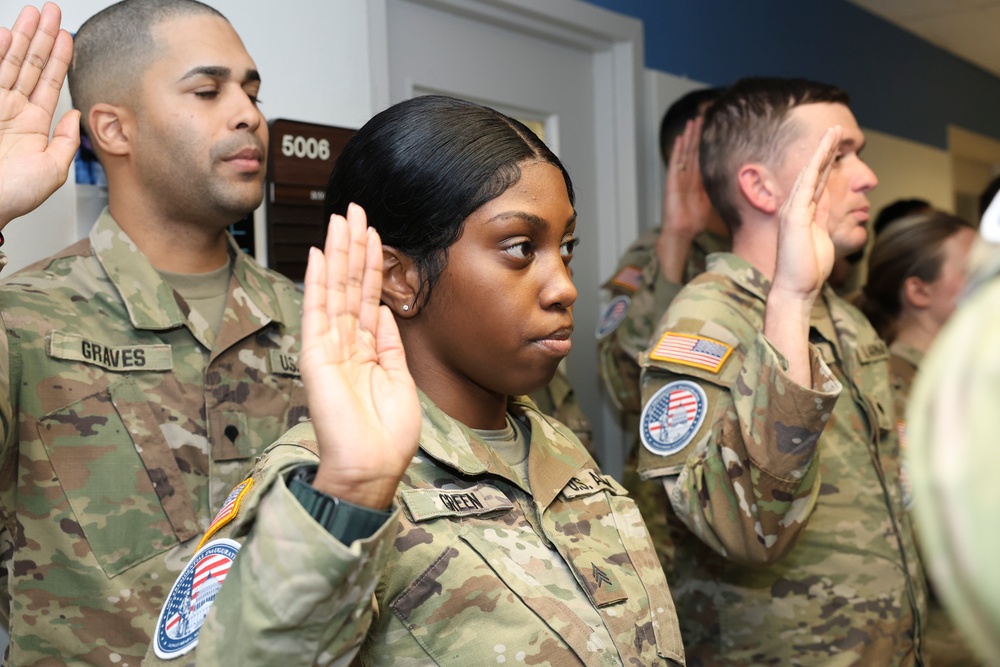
x=899, y=84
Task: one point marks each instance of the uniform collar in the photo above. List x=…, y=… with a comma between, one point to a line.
x=151, y=302
x=907, y=353
x=553, y=460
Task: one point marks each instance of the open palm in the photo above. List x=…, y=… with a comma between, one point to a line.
x=362, y=398
x=34, y=57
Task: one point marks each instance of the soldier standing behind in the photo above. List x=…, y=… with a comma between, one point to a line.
x=785, y=466
x=658, y=263
x=144, y=368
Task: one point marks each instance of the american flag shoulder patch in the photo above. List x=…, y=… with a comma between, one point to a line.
x=229, y=510
x=690, y=350
x=629, y=277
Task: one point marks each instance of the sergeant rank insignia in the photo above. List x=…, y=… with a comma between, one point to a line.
x=672, y=417
x=190, y=599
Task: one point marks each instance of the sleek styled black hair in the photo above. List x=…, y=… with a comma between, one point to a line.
x=685, y=108
x=423, y=166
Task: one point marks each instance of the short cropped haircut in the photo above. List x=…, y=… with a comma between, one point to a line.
x=687, y=107
x=749, y=123
x=114, y=47
x=420, y=168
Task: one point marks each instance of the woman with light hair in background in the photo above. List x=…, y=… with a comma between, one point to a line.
x=916, y=272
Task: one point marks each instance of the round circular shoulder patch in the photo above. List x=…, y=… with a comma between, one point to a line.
x=672, y=417
x=191, y=597
x=613, y=315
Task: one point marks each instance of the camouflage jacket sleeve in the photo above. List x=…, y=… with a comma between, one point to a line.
x=639, y=296
x=732, y=437
x=295, y=595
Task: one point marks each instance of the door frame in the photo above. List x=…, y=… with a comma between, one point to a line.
x=615, y=43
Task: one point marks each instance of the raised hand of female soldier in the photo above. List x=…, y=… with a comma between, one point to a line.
x=362, y=398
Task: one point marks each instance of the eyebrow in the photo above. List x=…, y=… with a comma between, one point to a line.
x=219, y=72
x=529, y=218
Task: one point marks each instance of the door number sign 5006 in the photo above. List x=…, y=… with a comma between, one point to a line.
x=305, y=147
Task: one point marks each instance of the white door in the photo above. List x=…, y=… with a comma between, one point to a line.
x=556, y=85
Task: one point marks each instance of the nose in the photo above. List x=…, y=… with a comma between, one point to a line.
x=559, y=290
x=866, y=179
x=245, y=113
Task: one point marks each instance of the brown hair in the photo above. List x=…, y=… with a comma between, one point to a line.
x=910, y=246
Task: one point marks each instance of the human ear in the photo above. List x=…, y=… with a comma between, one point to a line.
x=917, y=292
x=400, y=283
x=110, y=128
x=759, y=187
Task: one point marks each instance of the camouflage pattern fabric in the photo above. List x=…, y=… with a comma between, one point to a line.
x=126, y=421
x=944, y=644
x=482, y=571
x=558, y=399
x=952, y=439
x=797, y=549
x=638, y=277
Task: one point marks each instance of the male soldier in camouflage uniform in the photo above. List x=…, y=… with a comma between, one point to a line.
x=768, y=416
x=658, y=263
x=144, y=368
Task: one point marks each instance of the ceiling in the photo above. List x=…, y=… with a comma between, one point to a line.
x=969, y=29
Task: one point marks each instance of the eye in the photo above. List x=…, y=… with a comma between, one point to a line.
x=523, y=250
x=207, y=94
x=568, y=245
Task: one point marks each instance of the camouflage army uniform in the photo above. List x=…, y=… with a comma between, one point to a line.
x=638, y=277
x=798, y=550
x=944, y=646
x=125, y=426
x=482, y=571
x=953, y=443
x=558, y=399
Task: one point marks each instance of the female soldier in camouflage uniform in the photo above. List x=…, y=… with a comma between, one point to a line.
x=511, y=546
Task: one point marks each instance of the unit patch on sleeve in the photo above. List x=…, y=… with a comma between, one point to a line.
x=672, y=417
x=630, y=278
x=190, y=599
x=689, y=350
x=613, y=315
x=229, y=510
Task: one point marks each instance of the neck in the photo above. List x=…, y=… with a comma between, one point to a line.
x=179, y=246
x=459, y=398
x=756, y=247
x=917, y=330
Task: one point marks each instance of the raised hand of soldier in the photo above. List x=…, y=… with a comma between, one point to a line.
x=362, y=398
x=805, y=257
x=805, y=251
x=34, y=57
x=686, y=207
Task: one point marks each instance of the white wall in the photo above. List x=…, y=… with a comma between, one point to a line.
x=314, y=62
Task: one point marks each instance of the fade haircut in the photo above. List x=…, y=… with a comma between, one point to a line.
x=113, y=48
x=680, y=112
x=749, y=122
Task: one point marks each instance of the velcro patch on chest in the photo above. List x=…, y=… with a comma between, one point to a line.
x=690, y=350
x=123, y=358
x=190, y=599
x=589, y=482
x=283, y=363
x=229, y=510
x=872, y=351
x=424, y=504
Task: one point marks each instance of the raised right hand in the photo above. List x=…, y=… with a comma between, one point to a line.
x=34, y=58
x=362, y=398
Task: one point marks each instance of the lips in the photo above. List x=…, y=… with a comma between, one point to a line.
x=557, y=343
x=246, y=159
